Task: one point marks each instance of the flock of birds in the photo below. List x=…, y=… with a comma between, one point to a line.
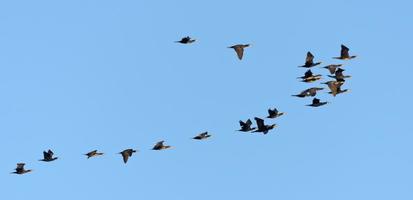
x=335, y=70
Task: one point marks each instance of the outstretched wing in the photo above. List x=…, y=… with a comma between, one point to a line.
x=260, y=123
x=316, y=101
x=240, y=51
x=309, y=59
x=344, y=52
x=308, y=74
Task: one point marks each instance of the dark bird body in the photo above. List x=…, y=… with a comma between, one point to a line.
x=273, y=113
x=310, y=92
x=93, y=153
x=48, y=156
x=160, y=146
x=126, y=154
x=310, y=77
x=344, y=55
x=246, y=126
x=316, y=103
x=262, y=128
x=335, y=87
x=239, y=49
x=20, y=169
x=186, y=40
x=202, y=136
x=309, y=61
x=339, y=76
x=332, y=68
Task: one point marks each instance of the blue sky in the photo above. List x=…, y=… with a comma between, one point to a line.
x=82, y=75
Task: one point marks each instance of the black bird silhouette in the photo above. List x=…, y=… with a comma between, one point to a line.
x=246, y=126
x=93, y=153
x=202, y=136
x=309, y=61
x=48, y=156
x=335, y=87
x=186, y=40
x=20, y=169
x=160, y=146
x=316, y=103
x=308, y=92
x=310, y=77
x=262, y=127
x=126, y=154
x=273, y=113
x=344, y=55
x=332, y=68
x=239, y=49
x=339, y=76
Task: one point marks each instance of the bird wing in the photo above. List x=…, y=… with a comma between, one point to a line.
x=158, y=145
x=332, y=69
x=20, y=166
x=125, y=156
x=249, y=122
x=241, y=123
x=240, y=51
x=309, y=59
x=271, y=112
x=260, y=123
x=344, y=52
x=316, y=101
x=308, y=74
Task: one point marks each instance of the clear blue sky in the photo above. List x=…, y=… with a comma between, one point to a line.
x=80, y=75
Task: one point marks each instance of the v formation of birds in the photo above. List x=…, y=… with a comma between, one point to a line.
x=335, y=70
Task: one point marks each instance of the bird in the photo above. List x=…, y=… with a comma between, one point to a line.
x=202, y=136
x=246, y=126
x=332, y=68
x=126, y=154
x=20, y=169
x=339, y=76
x=335, y=87
x=239, y=49
x=160, y=146
x=186, y=40
x=344, y=55
x=48, y=156
x=93, y=153
x=273, y=113
x=309, y=61
x=262, y=127
x=316, y=103
x=310, y=77
x=308, y=92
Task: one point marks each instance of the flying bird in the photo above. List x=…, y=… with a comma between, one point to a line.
x=310, y=77
x=344, y=55
x=160, y=146
x=48, y=156
x=20, y=169
x=335, y=87
x=309, y=61
x=186, y=40
x=93, y=153
x=126, y=154
x=239, y=49
x=246, y=126
x=262, y=128
x=332, y=68
x=308, y=92
x=202, y=136
x=273, y=113
x=339, y=76
x=316, y=103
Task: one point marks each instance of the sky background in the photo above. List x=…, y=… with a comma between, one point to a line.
x=81, y=75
